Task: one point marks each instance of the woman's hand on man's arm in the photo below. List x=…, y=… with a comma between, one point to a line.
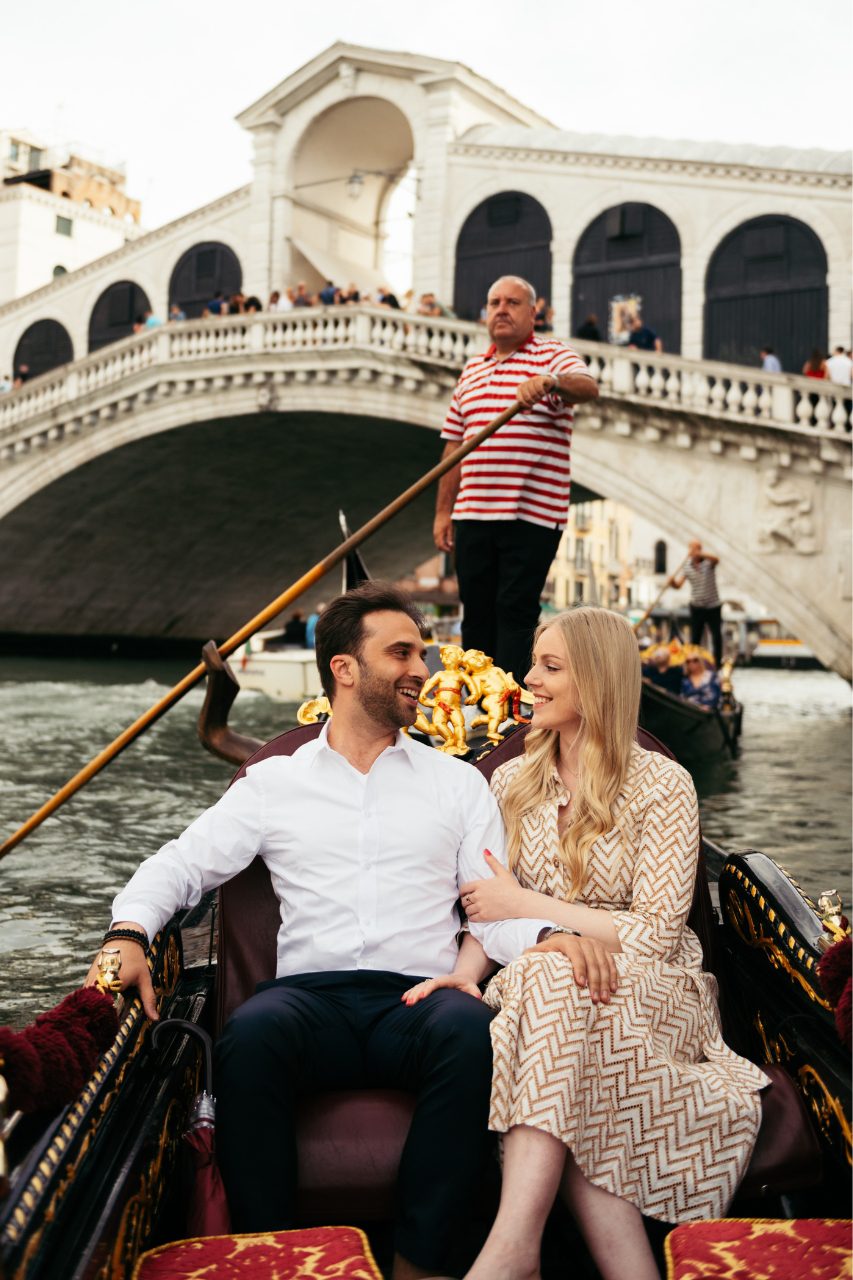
x=499, y=896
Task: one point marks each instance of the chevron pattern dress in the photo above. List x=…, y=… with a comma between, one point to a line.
x=653, y=1105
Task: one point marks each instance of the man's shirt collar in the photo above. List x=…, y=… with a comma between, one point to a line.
x=528, y=342
x=322, y=746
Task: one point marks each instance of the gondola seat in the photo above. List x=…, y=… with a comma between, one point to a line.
x=350, y=1142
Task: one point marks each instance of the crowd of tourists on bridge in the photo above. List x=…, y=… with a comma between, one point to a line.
x=835, y=367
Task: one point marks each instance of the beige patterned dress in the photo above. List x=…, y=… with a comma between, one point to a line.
x=653, y=1105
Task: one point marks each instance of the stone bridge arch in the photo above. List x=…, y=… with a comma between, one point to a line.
x=182, y=535
x=117, y=309
x=44, y=345
x=204, y=269
x=339, y=159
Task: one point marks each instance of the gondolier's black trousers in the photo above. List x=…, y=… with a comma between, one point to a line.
x=326, y=1031
x=712, y=619
x=501, y=567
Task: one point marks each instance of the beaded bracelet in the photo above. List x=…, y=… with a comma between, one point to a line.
x=129, y=935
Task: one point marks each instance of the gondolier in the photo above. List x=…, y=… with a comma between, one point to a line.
x=700, y=571
x=505, y=507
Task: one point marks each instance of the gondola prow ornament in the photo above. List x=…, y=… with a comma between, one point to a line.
x=109, y=968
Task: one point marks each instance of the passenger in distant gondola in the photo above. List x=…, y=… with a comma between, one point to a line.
x=295, y=629
x=700, y=684
x=628, y=1102
x=660, y=671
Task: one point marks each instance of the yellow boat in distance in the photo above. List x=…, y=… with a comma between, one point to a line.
x=767, y=643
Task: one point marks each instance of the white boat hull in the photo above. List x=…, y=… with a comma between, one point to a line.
x=287, y=675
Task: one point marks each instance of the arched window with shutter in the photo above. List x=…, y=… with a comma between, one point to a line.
x=630, y=250
x=766, y=286
x=507, y=235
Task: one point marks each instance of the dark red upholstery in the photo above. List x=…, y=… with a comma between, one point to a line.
x=787, y=1154
x=350, y=1142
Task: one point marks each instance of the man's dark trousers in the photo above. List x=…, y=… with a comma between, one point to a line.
x=712, y=619
x=325, y=1031
x=501, y=566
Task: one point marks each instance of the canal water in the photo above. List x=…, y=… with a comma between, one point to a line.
x=788, y=795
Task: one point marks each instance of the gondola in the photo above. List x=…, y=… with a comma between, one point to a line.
x=92, y=1185
x=695, y=734
x=87, y=1185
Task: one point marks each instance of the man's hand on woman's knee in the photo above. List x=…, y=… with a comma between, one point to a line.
x=457, y=981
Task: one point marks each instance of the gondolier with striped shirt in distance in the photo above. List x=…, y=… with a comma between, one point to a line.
x=706, y=608
x=504, y=508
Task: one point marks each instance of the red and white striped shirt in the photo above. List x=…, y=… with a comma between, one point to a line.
x=523, y=471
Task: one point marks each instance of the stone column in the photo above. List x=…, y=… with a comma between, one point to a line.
x=257, y=269
x=692, y=304
x=840, y=317
x=561, y=290
x=433, y=263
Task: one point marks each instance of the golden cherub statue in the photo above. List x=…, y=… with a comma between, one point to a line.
x=497, y=691
x=446, y=687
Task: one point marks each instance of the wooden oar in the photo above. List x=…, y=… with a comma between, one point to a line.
x=652, y=606
x=103, y=758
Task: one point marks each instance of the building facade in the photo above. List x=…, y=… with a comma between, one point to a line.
x=59, y=211
x=594, y=561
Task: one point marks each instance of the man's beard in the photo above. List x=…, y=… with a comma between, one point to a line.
x=382, y=702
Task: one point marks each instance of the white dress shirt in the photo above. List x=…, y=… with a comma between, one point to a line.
x=366, y=867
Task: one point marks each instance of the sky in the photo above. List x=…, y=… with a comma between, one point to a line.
x=157, y=85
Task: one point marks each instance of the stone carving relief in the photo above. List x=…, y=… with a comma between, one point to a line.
x=786, y=514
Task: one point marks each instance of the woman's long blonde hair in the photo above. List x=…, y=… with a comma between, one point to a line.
x=604, y=663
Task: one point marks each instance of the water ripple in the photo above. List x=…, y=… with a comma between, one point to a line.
x=788, y=795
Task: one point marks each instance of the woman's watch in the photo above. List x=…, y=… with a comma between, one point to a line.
x=545, y=934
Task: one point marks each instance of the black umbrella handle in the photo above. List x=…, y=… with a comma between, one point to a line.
x=190, y=1029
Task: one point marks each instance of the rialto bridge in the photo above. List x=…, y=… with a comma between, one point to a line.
x=724, y=248
x=172, y=483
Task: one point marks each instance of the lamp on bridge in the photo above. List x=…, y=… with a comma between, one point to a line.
x=355, y=184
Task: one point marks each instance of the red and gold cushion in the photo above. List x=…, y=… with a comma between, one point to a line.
x=760, y=1249
x=315, y=1253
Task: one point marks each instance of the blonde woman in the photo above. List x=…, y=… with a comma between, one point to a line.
x=622, y=1097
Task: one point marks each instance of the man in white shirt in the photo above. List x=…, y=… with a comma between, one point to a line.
x=839, y=366
x=367, y=836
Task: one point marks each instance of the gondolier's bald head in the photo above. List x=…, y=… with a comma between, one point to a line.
x=510, y=312
x=515, y=283
x=343, y=625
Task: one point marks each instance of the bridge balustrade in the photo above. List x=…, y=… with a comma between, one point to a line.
x=731, y=393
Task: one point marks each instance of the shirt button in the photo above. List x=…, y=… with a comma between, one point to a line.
x=558, y=862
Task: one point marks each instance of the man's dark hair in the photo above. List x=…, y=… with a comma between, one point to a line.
x=340, y=627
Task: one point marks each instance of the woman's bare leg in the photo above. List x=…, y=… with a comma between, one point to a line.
x=533, y=1164
x=612, y=1228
